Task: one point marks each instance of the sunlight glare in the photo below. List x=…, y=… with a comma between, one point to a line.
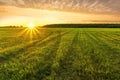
x=31, y=25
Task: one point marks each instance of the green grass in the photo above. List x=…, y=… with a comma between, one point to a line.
x=60, y=54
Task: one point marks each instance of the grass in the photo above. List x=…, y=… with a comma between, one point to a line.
x=60, y=54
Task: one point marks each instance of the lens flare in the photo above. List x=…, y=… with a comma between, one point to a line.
x=31, y=26
x=30, y=32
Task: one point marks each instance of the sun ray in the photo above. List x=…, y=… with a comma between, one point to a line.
x=22, y=32
x=31, y=32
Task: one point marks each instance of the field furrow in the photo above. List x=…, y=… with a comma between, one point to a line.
x=38, y=52
x=107, y=53
x=60, y=54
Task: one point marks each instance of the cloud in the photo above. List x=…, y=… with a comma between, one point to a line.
x=100, y=6
x=12, y=15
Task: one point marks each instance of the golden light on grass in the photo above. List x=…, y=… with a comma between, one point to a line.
x=30, y=32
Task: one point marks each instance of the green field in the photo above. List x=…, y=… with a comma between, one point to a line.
x=60, y=54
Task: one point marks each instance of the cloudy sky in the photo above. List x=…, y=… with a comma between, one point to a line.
x=41, y=12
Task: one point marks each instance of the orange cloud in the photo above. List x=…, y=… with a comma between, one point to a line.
x=11, y=15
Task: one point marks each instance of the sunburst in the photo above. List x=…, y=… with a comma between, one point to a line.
x=31, y=26
x=30, y=32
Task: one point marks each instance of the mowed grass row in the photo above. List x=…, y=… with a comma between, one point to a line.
x=62, y=54
x=29, y=51
x=14, y=37
x=9, y=52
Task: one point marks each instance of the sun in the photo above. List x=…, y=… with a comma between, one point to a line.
x=31, y=26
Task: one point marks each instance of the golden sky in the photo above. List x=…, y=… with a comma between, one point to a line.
x=42, y=12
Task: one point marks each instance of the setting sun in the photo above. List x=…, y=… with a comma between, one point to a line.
x=31, y=25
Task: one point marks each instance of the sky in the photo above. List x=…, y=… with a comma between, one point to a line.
x=42, y=12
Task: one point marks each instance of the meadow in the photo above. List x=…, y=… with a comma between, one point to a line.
x=60, y=54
